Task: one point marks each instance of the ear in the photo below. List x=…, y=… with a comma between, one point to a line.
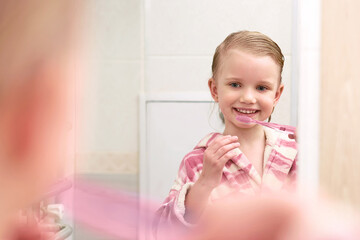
x=278, y=94
x=213, y=89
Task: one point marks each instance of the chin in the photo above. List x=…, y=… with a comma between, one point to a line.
x=245, y=125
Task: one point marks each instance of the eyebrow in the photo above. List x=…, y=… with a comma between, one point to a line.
x=233, y=79
x=265, y=82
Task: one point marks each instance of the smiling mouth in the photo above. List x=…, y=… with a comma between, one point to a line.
x=245, y=111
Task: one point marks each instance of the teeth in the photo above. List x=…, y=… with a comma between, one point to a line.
x=245, y=111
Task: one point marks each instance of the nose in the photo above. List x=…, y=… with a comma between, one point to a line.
x=248, y=97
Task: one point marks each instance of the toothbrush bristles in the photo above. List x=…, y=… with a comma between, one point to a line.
x=243, y=119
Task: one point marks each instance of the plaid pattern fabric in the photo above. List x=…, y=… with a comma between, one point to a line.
x=239, y=175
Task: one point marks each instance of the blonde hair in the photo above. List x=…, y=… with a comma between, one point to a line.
x=249, y=41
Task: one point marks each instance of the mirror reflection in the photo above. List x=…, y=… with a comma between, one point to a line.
x=157, y=120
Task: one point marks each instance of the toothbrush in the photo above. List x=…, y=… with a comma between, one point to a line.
x=249, y=120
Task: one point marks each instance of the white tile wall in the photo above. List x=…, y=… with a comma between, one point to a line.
x=115, y=108
x=169, y=73
x=282, y=110
x=109, y=112
x=188, y=27
x=115, y=28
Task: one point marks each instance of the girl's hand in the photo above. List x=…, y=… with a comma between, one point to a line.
x=215, y=157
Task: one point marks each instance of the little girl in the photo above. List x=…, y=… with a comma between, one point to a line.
x=245, y=158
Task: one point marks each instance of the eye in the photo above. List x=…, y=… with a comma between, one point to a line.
x=235, y=85
x=261, y=88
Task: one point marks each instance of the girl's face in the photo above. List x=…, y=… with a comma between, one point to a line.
x=247, y=85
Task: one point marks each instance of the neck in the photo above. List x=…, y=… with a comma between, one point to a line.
x=246, y=136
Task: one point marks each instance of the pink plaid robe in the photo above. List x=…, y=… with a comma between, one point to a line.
x=239, y=175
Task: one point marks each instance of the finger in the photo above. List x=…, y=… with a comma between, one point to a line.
x=222, y=141
x=228, y=155
x=225, y=149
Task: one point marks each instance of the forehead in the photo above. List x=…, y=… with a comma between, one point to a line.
x=241, y=64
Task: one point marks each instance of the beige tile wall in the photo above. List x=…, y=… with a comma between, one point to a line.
x=340, y=101
x=107, y=163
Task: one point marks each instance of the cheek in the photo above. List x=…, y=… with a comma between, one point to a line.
x=227, y=98
x=227, y=95
x=267, y=101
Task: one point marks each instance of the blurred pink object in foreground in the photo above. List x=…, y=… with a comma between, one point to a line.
x=122, y=214
x=36, y=48
x=111, y=212
x=281, y=217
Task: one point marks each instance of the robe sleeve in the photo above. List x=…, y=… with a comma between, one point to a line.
x=172, y=210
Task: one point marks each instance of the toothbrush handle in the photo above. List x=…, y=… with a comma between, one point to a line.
x=285, y=128
x=288, y=128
